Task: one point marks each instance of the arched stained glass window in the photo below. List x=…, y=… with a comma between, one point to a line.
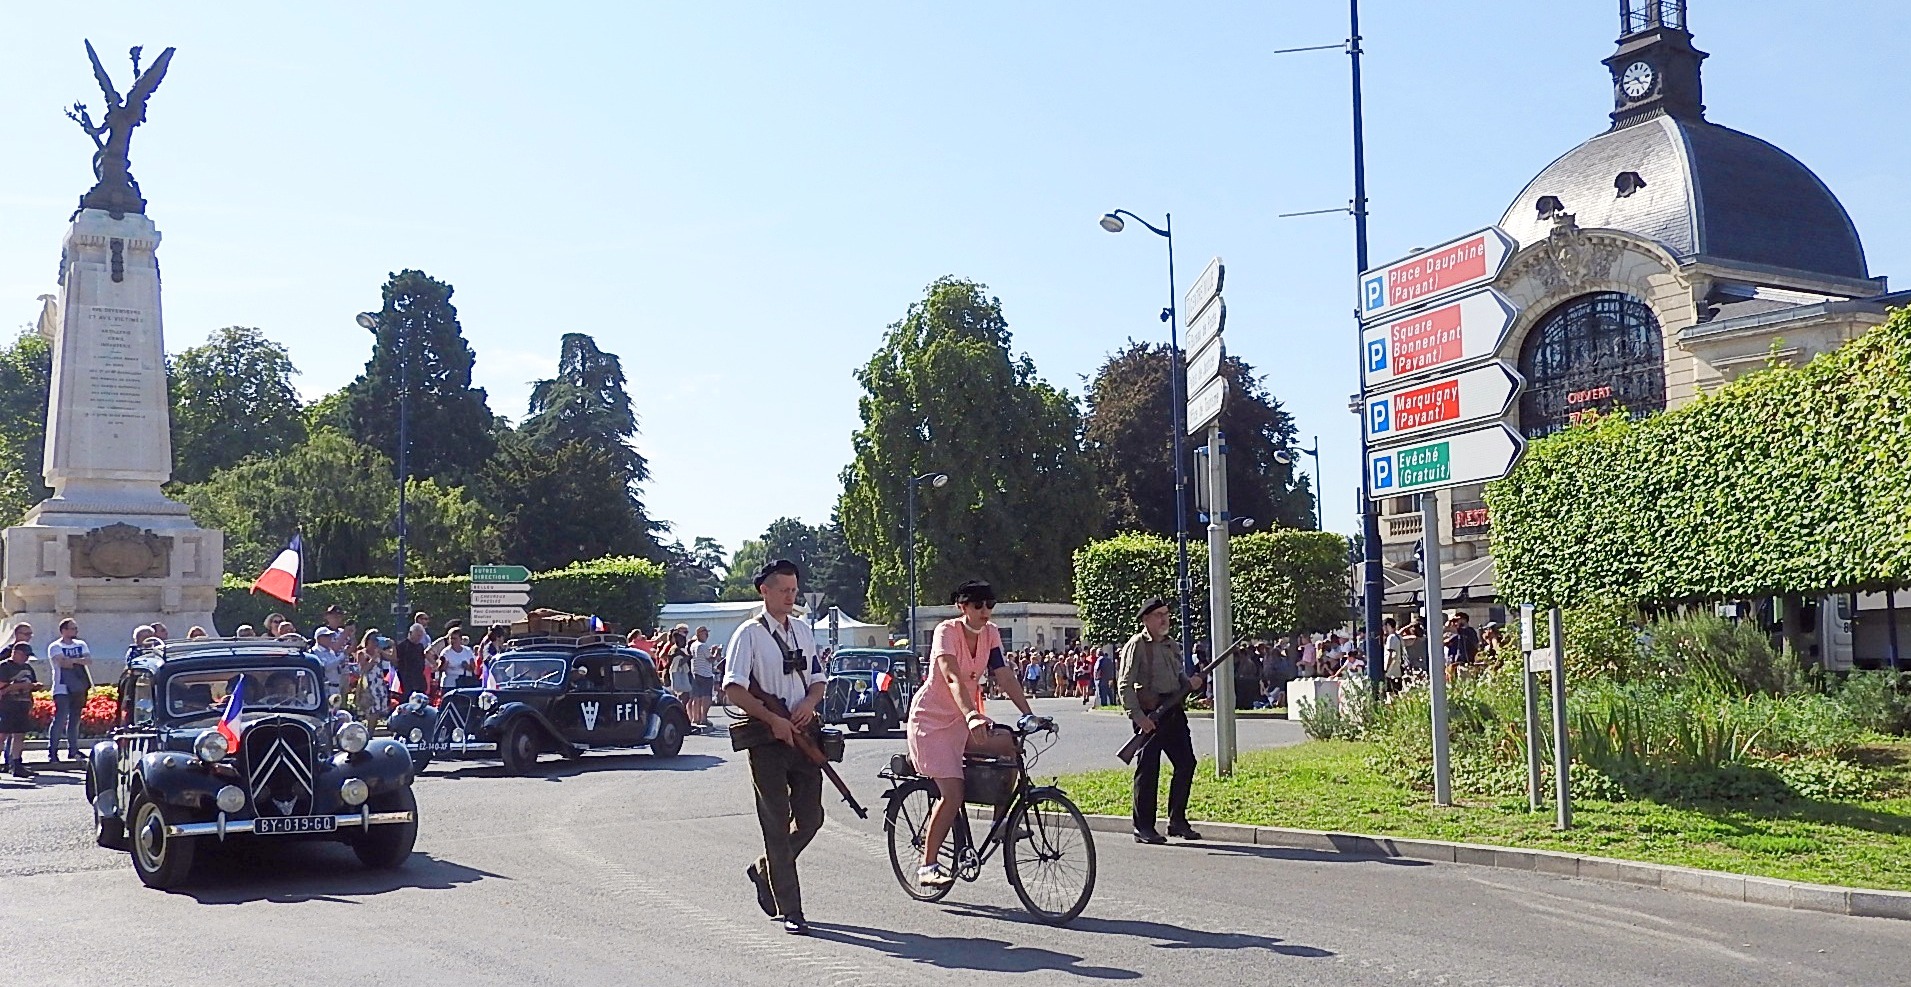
x=1595, y=353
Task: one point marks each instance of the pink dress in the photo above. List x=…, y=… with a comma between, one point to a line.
x=937, y=730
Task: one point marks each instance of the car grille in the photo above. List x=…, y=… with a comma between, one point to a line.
x=838, y=698
x=277, y=754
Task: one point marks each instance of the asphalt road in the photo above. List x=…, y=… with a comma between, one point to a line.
x=620, y=869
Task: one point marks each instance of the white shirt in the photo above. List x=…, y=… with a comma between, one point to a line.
x=58, y=651
x=458, y=661
x=700, y=659
x=753, y=650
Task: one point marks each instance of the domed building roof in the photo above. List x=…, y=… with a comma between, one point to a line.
x=1701, y=191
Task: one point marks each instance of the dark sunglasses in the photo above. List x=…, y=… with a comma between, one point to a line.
x=980, y=604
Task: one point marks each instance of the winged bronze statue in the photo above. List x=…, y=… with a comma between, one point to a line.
x=116, y=191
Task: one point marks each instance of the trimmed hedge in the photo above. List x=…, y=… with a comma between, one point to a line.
x=1787, y=481
x=1283, y=582
x=627, y=592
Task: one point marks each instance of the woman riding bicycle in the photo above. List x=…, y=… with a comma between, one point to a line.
x=944, y=721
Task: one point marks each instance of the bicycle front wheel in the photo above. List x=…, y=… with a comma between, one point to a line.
x=1051, y=858
x=906, y=824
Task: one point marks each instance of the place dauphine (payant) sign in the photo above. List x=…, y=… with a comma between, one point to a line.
x=1472, y=456
x=1474, y=259
x=500, y=594
x=1434, y=395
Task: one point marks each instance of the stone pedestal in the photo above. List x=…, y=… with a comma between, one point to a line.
x=1306, y=692
x=108, y=548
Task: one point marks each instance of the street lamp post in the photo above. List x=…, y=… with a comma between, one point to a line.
x=401, y=608
x=937, y=480
x=1112, y=223
x=1290, y=456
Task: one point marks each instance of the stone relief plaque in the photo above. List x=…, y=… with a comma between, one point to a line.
x=119, y=551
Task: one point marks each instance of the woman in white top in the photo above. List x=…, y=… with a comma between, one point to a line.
x=457, y=664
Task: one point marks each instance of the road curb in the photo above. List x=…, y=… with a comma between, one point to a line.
x=1864, y=902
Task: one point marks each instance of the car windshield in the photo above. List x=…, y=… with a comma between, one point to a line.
x=204, y=693
x=849, y=664
x=527, y=673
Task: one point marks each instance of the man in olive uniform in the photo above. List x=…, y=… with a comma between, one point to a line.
x=1151, y=672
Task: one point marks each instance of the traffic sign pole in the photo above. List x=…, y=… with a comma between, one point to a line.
x=1220, y=614
x=1436, y=653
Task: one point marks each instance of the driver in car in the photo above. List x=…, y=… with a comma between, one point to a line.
x=281, y=688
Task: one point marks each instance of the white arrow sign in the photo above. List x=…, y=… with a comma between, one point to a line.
x=1441, y=403
x=501, y=587
x=486, y=616
x=1205, y=406
x=1471, y=260
x=1470, y=457
x=1439, y=338
x=1207, y=326
x=489, y=599
x=1206, y=285
x=1204, y=367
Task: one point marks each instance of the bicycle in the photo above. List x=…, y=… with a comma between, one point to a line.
x=1048, y=851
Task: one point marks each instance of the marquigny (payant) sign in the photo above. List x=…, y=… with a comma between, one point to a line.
x=1472, y=260
x=1443, y=402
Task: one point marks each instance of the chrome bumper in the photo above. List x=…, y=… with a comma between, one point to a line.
x=223, y=827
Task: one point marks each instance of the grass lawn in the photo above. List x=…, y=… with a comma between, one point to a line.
x=1327, y=785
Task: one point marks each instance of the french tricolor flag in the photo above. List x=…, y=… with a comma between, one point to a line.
x=281, y=579
x=229, y=723
x=392, y=681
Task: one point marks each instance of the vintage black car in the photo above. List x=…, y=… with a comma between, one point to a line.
x=870, y=688
x=169, y=783
x=549, y=696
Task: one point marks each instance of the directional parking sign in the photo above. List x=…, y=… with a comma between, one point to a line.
x=1441, y=403
x=1441, y=337
x=1471, y=260
x=1474, y=456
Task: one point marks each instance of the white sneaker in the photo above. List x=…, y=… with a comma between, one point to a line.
x=934, y=876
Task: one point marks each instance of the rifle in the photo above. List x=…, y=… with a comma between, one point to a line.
x=806, y=745
x=1172, y=702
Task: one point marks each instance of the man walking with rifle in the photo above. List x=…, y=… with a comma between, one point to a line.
x=1153, y=685
x=773, y=658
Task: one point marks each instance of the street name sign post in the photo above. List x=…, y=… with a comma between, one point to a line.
x=1471, y=260
x=1206, y=285
x=1436, y=339
x=500, y=594
x=1204, y=409
x=1204, y=366
x=1209, y=392
x=1207, y=326
x=1481, y=394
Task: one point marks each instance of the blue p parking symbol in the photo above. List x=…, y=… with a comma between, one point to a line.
x=1376, y=356
x=1377, y=416
x=1373, y=293
x=1383, y=473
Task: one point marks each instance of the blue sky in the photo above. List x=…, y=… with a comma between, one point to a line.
x=739, y=198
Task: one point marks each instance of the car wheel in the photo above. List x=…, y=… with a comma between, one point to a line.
x=885, y=721
x=670, y=735
x=388, y=846
x=161, y=861
x=521, y=746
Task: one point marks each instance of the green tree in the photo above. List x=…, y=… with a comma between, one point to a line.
x=561, y=505
x=694, y=574
x=841, y=574
x=232, y=398
x=944, y=393
x=750, y=556
x=450, y=421
x=587, y=403
x=1129, y=439
x=26, y=374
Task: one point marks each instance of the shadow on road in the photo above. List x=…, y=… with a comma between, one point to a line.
x=1358, y=851
x=293, y=872
x=557, y=770
x=1166, y=936
x=965, y=953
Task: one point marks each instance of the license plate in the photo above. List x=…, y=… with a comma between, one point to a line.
x=281, y=825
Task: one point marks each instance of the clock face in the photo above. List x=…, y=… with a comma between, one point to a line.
x=1637, y=80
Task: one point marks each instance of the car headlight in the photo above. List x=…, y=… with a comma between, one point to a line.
x=486, y=700
x=354, y=791
x=457, y=735
x=231, y=798
x=417, y=735
x=211, y=746
x=352, y=737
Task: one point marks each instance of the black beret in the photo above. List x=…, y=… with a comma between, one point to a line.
x=1150, y=605
x=778, y=567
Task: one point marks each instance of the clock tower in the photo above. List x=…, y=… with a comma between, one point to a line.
x=1656, y=69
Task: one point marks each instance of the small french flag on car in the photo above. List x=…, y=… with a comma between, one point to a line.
x=229, y=723
x=598, y=626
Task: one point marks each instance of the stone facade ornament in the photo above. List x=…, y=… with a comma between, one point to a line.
x=120, y=551
x=1570, y=257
